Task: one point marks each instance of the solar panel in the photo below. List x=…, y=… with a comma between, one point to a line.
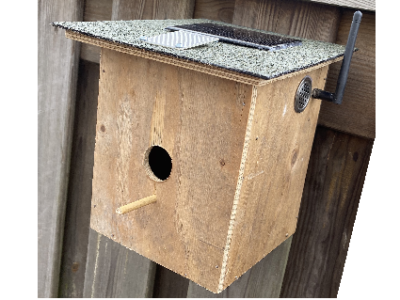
x=240, y=36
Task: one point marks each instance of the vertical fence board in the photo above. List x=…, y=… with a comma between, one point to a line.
x=152, y=9
x=95, y=10
x=360, y=4
x=328, y=209
x=58, y=70
x=76, y=232
x=218, y=10
x=113, y=271
x=169, y=284
x=264, y=280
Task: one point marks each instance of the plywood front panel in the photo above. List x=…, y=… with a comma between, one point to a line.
x=276, y=166
x=200, y=120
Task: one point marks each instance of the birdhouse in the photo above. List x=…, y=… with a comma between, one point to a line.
x=203, y=137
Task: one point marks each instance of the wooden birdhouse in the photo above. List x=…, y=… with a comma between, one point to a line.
x=204, y=132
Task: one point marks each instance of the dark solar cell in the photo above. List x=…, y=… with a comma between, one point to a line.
x=240, y=36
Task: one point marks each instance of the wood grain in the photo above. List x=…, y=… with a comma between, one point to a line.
x=332, y=191
x=356, y=115
x=205, y=148
x=218, y=10
x=77, y=217
x=142, y=268
x=264, y=280
x=113, y=271
x=97, y=10
x=360, y=4
x=152, y=9
x=190, y=227
x=274, y=174
x=58, y=73
x=297, y=18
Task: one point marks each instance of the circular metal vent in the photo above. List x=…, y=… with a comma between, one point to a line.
x=303, y=94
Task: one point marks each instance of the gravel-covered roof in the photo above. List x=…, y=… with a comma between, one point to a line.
x=259, y=63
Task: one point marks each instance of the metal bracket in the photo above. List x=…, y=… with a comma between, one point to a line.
x=337, y=97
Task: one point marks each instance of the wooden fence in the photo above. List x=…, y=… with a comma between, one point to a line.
x=75, y=261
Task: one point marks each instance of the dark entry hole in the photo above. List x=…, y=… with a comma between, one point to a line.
x=160, y=162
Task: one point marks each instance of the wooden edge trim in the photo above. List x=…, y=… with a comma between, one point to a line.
x=232, y=221
x=212, y=70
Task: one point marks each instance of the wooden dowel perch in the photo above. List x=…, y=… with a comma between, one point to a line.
x=137, y=204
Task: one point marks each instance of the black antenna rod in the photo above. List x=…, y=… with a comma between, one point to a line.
x=337, y=97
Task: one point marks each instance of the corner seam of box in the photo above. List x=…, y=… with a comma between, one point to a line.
x=232, y=220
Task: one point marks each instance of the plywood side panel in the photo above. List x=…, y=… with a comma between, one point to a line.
x=332, y=191
x=200, y=120
x=279, y=150
x=57, y=78
x=264, y=280
x=356, y=115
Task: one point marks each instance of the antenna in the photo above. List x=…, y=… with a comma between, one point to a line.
x=337, y=97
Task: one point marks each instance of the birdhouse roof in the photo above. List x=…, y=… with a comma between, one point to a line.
x=236, y=62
